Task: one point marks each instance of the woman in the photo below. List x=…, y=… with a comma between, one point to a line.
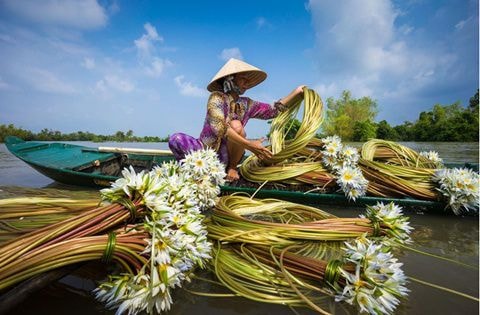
x=227, y=114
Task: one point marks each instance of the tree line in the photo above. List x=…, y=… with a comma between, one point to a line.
x=354, y=120
x=351, y=119
x=55, y=135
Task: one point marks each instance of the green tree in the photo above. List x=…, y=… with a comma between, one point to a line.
x=473, y=104
x=405, y=131
x=344, y=113
x=364, y=130
x=129, y=135
x=292, y=127
x=119, y=136
x=422, y=127
x=11, y=130
x=385, y=131
x=55, y=135
x=448, y=123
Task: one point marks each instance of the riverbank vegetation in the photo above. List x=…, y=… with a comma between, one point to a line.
x=55, y=135
x=351, y=119
x=354, y=120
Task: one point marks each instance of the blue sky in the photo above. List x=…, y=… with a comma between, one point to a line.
x=105, y=65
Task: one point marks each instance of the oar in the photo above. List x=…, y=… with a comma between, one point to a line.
x=131, y=150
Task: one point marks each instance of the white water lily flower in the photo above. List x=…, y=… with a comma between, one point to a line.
x=131, y=184
x=332, y=139
x=174, y=193
x=330, y=161
x=460, y=187
x=113, y=290
x=354, y=193
x=342, y=161
x=164, y=303
x=158, y=203
x=388, y=300
x=391, y=216
x=125, y=184
x=331, y=149
x=137, y=299
x=200, y=166
x=352, y=182
x=350, y=156
x=367, y=303
x=378, y=281
x=348, y=176
x=203, y=162
x=432, y=156
x=193, y=226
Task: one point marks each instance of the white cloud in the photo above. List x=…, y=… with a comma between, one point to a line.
x=88, y=63
x=71, y=48
x=113, y=82
x=7, y=38
x=262, y=22
x=87, y=14
x=460, y=25
x=325, y=91
x=188, y=89
x=360, y=48
x=359, y=87
x=5, y=86
x=149, y=60
x=364, y=41
x=406, y=29
x=113, y=7
x=46, y=81
x=152, y=32
x=157, y=66
x=228, y=53
x=145, y=44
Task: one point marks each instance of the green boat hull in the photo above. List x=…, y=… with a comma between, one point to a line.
x=83, y=166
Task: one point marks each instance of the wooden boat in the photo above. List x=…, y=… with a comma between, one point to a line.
x=85, y=166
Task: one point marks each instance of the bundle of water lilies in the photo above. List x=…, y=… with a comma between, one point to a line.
x=383, y=168
x=155, y=234
x=151, y=225
x=304, y=159
x=25, y=209
x=394, y=170
x=280, y=252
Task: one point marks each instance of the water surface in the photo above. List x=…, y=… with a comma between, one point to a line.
x=448, y=236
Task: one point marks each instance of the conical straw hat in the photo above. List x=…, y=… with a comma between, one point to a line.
x=253, y=74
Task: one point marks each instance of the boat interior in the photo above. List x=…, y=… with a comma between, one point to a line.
x=114, y=164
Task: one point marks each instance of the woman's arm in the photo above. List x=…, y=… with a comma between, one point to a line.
x=263, y=111
x=293, y=96
x=266, y=111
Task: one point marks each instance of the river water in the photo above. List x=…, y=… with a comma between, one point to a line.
x=451, y=237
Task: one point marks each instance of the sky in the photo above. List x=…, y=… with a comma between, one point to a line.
x=109, y=65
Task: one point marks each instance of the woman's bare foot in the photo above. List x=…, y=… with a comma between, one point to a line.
x=232, y=175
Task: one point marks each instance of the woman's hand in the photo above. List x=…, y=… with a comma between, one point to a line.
x=299, y=89
x=256, y=147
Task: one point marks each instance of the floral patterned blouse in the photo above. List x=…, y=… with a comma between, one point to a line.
x=221, y=109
